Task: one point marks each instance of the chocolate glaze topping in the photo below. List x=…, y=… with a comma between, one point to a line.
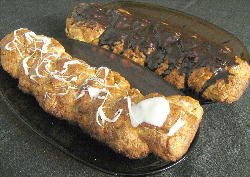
x=182, y=50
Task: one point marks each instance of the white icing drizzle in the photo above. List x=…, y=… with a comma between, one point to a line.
x=94, y=92
x=178, y=124
x=73, y=79
x=15, y=42
x=130, y=113
x=101, y=114
x=30, y=36
x=46, y=42
x=101, y=81
x=46, y=95
x=153, y=111
x=66, y=65
x=25, y=65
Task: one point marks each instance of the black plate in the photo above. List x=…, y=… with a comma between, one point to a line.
x=70, y=138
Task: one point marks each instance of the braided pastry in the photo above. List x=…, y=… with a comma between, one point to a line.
x=100, y=100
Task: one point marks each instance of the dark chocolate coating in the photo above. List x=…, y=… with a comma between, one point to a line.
x=182, y=50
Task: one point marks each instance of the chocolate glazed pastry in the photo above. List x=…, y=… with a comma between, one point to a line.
x=181, y=58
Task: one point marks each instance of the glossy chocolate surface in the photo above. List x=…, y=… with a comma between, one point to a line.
x=178, y=48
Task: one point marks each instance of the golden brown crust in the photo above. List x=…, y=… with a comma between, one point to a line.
x=234, y=89
x=91, y=35
x=59, y=94
x=219, y=91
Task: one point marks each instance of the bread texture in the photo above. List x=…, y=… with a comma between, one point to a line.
x=181, y=58
x=98, y=99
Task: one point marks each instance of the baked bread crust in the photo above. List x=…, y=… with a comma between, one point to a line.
x=224, y=82
x=61, y=86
